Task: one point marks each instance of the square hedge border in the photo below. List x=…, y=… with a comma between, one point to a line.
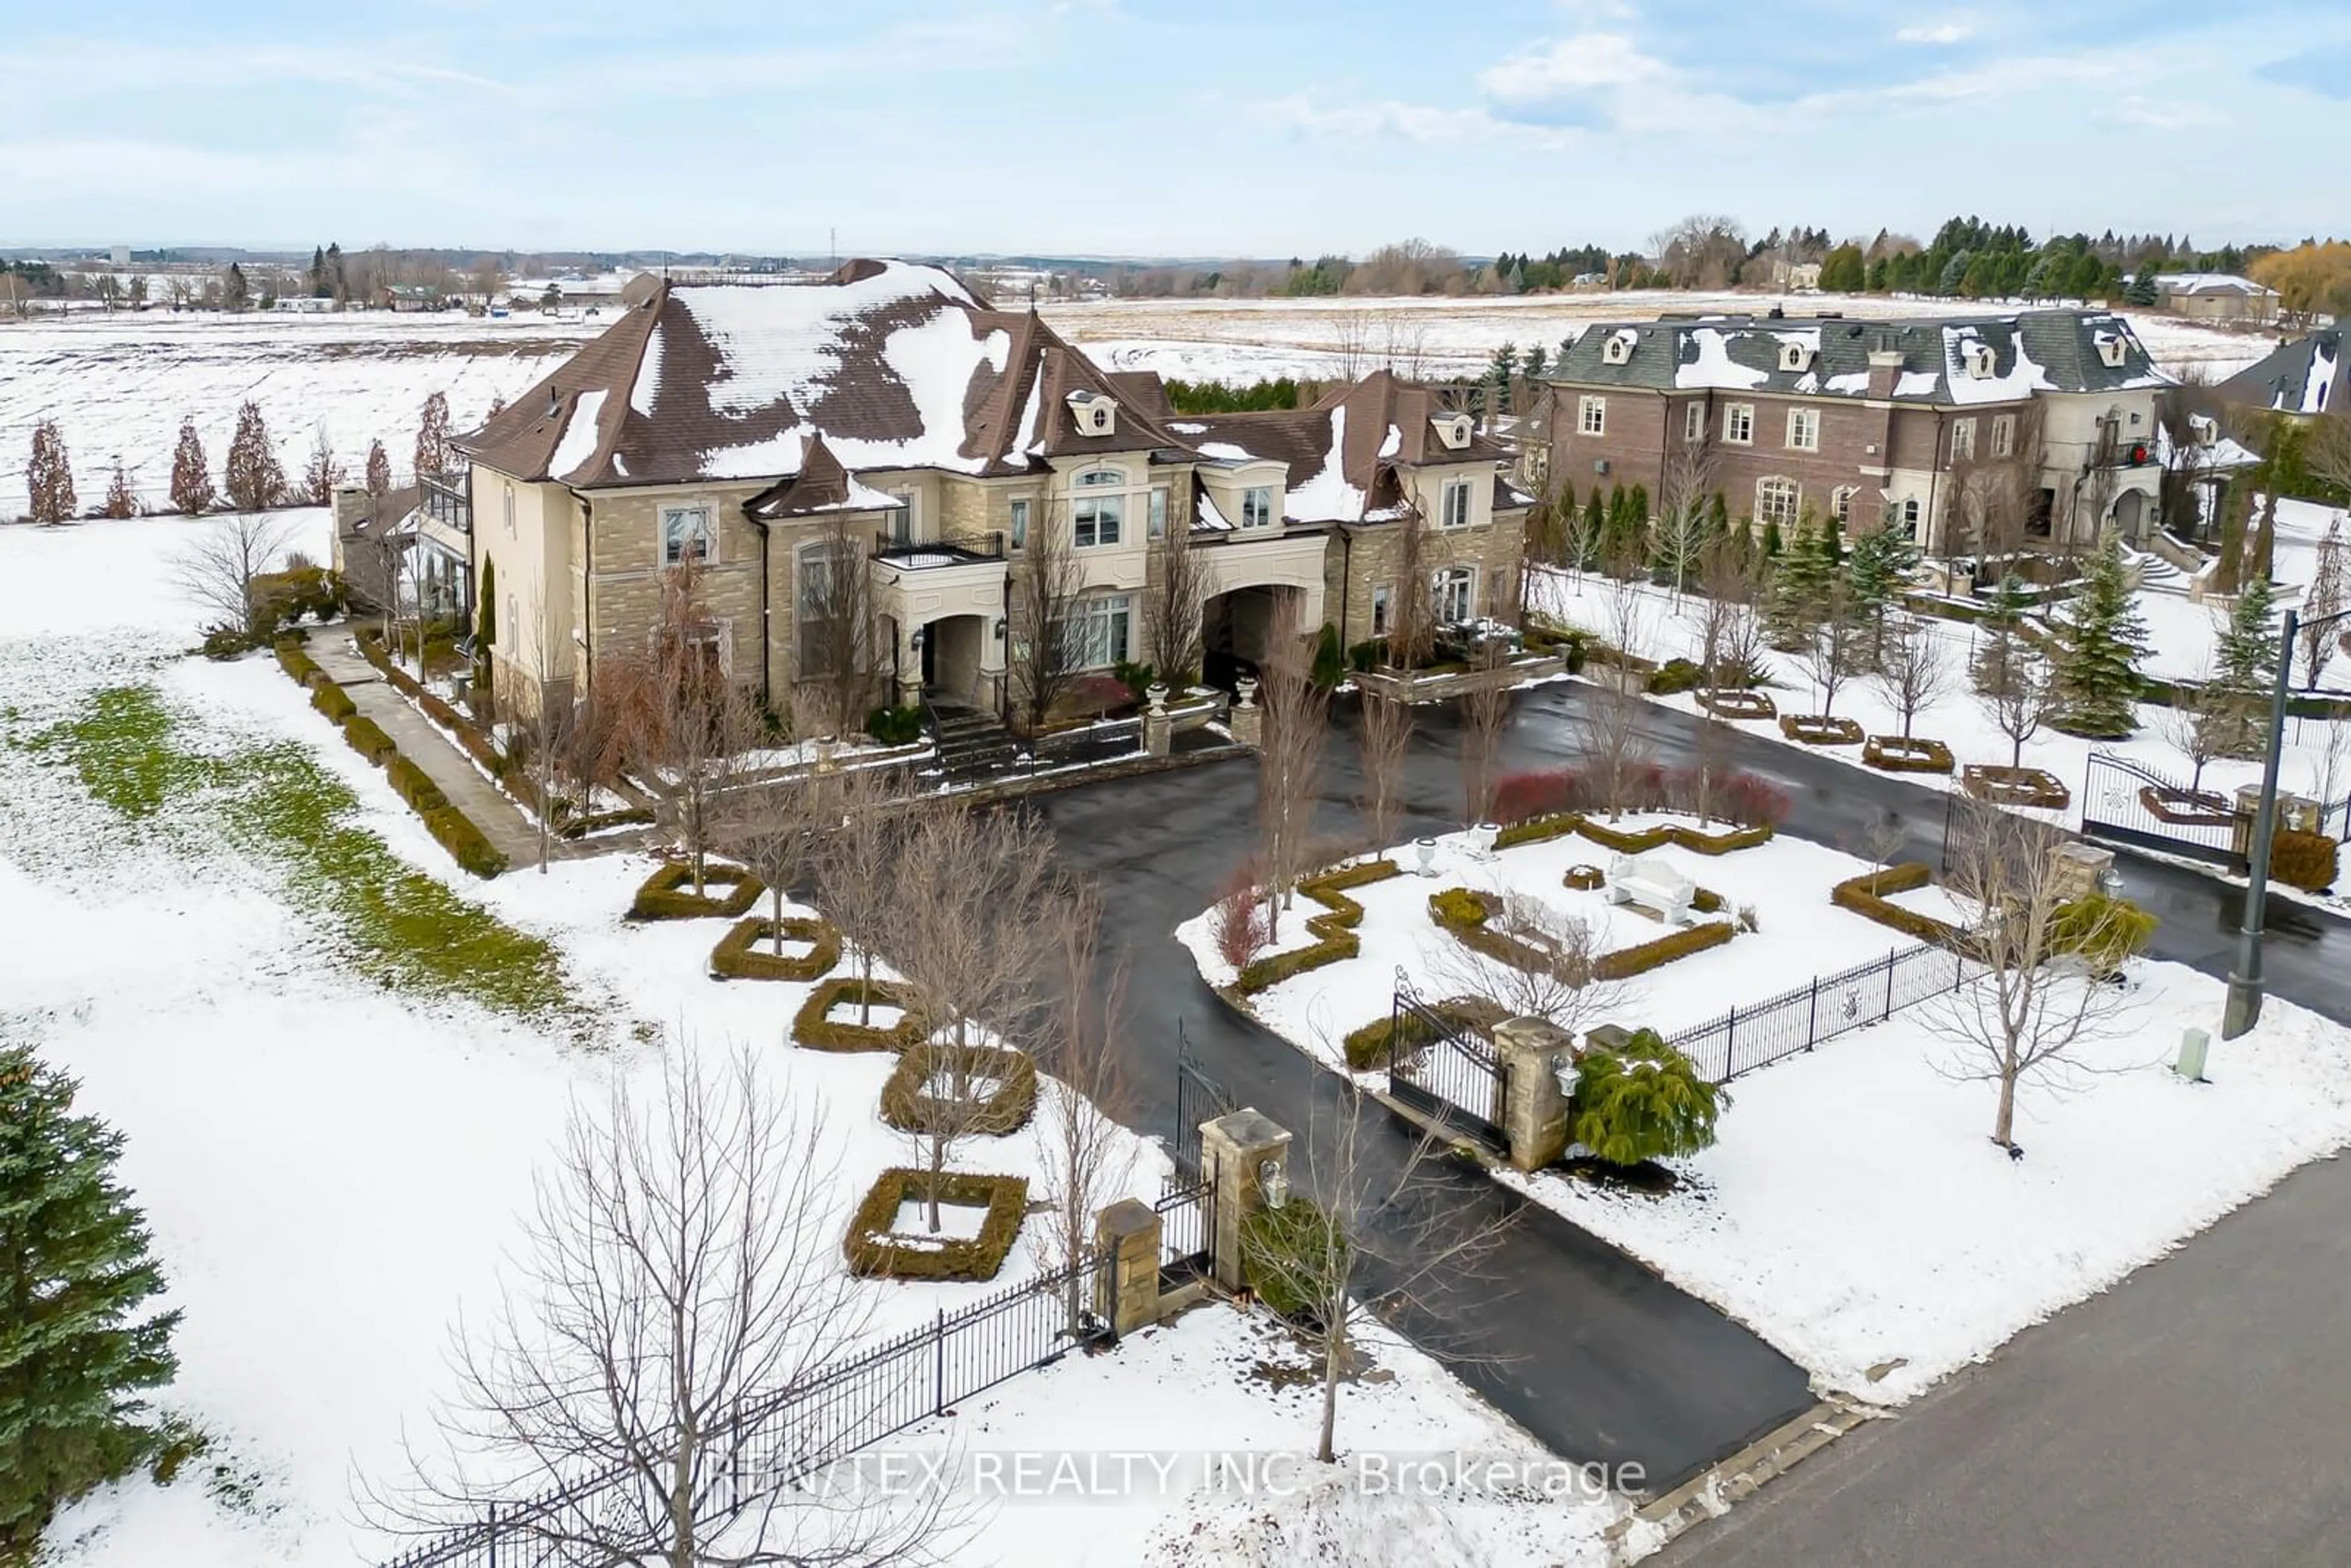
x=667, y=895
x=738, y=955
x=1900, y=754
x=873, y=1253
x=1818, y=730
x=905, y=1107
x=1728, y=702
x=810, y=1027
x=1334, y=931
x=2034, y=788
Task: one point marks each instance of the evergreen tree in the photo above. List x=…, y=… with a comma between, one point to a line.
x=253, y=478
x=1881, y=558
x=2228, y=555
x=2096, y=668
x=78, y=1348
x=192, y=474
x=1595, y=527
x=1832, y=538
x=379, y=469
x=1773, y=544
x=119, y=501
x=2245, y=664
x=233, y=290
x=317, y=273
x=48, y=476
x=1799, y=587
x=2003, y=617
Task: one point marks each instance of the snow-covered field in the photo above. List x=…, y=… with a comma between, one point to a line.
x=333, y=1170
x=1243, y=340
x=1854, y=1211
x=119, y=385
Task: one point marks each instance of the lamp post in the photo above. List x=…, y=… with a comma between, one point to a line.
x=2244, y=1004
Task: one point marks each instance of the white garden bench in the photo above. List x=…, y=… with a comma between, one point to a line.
x=1653, y=883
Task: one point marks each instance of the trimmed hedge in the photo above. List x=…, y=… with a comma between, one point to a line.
x=668, y=893
x=410, y=783
x=1367, y=1047
x=369, y=739
x=1893, y=754
x=905, y=1107
x=1675, y=676
x=1728, y=702
x=1815, y=730
x=743, y=953
x=1541, y=830
x=2105, y=932
x=874, y=1253
x=1865, y=895
x=810, y=1027
x=1583, y=878
x=2306, y=861
x=2031, y=786
x=1291, y=1256
x=1335, y=930
x=456, y=832
x=334, y=702
x=1627, y=962
x=296, y=661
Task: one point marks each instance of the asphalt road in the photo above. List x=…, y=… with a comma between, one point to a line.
x=1582, y=1346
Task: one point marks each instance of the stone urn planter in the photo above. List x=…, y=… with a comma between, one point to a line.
x=1156, y=696
x=1425, y=852
x=1481, y=840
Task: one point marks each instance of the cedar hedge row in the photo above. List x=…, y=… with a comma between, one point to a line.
x=739, y=955
x=456, y=832
x=296, y=661
x=413, y=786
x=668, y=893
x=1627, y=962
x=369, y=739
x=812, y=1029
x=334, y=702
x=1334, y=929
x=905, y=1107
x=874, y=1254
x=1811, y=730
x=1865, y=895
x=1538, y=830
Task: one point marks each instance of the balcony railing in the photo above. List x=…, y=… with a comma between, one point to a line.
x=964, y=550
x=442, y=499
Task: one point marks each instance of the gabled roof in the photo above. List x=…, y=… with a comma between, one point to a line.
x=1027, y=415
x=1342, y=454
x=2031, y=351
x=2305, y=376
x=822, y=485
x=2212, y=283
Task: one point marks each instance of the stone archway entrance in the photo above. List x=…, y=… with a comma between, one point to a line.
x=952, y=661
x=1237, y=630
x=2130, y=514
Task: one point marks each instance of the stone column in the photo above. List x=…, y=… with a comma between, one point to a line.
x=1534, y=1105
x=1128, y=1232
x=1240, y=1152
x=2077, y=868
x=909, y=667
x=1158, y=729
x=1247, y=719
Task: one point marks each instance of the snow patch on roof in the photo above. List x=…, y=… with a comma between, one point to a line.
x=1327, y=497
x=1183, y=427
x=648, y=381
x=1714, y=367
x=2023, y=378
x=2321, y=376
x=579, y=443
x=1395, y=442
x=1848, y=382
x=1224, y=452
x=1024, y=439
x=1914, y=384
x=781, y=342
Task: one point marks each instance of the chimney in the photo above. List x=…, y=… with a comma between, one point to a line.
x=1884, y=372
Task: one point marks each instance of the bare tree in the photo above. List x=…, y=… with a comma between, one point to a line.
x=1914, y=670
x=1290, y=759
x=1044, y=587
x=1387, y=741
x=1412, y=608
x=1612, y=715
x=1730, y=633
x=2333, y=767
x=836, y=624
x=1087, y=1154
x=1379, y=1229
x=215, y=570
x=1171, y=608
x=2033, y=999
x=1485, y=713
x=1552, y=972
x=773, y=828
x=680, y=1265
x=2203, y=722
x=2017, y=688
x=322, y=473
x=542, y=732
x=977, y=895
x=1681, y=530
x=2327, y=448
x=1833, y=647
x=2324, y=598
x=685, y=723
x=856, y=867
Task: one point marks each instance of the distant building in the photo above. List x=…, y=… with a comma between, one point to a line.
x=119, y=255
x=406, y=297
x=303, y=305
x=2216, y=297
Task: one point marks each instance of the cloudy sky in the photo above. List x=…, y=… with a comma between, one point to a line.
x=1143, y=127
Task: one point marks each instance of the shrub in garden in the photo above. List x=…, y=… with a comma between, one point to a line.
x=895, y=726
x=2305, y=861
x=2105, y=933
x=334, y=702
x=813, y=1026
x=1538, y=792
x=1626, y=962
x=1136, y=678
x=1753, y=801
x=747, y=950
x=1457, y=908
x=1330, y=666
x=226, y=641
x=1644, y=1101
x=1675, y=675
x=1292, y=1257
x=668, y=893
x=456, y=832
x=1242, y=924
x=368, y=738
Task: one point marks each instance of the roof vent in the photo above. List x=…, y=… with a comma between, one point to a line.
x=554, y=402
x=1618, y=348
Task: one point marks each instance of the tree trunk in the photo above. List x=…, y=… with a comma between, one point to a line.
x=775, y=902
x=2004, y=1123
x=1335, y=1353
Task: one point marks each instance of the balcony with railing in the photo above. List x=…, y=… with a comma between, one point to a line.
x=894, y=550
x=445, y=498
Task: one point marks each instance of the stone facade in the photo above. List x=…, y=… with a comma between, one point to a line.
x=1363, y=560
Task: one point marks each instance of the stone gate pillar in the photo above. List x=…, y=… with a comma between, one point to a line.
x=1128, y=1233
x=1245, y=1155
x=1534, y=1105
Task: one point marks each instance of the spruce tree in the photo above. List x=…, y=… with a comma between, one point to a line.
x=77, y=1346
x=192, y=474
x=2245, y=658
x=2096, y=668
x=1800, y=583
x=1881, y=558
x=253, y=478
x=1773, y=544
x=2003, y=618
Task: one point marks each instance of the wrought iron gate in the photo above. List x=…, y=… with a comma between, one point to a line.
x=1198, y=1098
x=2130, y=804
x=1441, y=1066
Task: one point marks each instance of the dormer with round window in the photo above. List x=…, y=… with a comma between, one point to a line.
x=1453, y=430
x=1094, y=413
x=1796, y=357
x=1978, y=359
x=2113, y=348
x=1618, y=348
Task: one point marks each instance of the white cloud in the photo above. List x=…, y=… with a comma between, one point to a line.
x=1410, y=121
x=1579, y=64
x=1940, y=33
x=1598, y=10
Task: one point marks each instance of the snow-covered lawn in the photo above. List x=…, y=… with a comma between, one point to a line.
x=1799, y=934
x=1671, y=626
x=1856, y=1214
x=333, y=1168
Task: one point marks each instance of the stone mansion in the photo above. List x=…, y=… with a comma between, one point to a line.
x=736, y=427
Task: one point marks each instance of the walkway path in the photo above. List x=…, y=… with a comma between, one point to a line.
x=501, y=821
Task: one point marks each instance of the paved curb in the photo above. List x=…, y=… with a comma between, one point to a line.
x=1713, y=1494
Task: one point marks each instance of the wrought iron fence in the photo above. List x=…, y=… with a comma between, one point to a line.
x=827, y=1416
x=1187, y=1228
x=1444, y=1068
x=2132, y=804
x=1745, y=1038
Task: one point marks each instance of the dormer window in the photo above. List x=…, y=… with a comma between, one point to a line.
x=1795, y=357
x=1978, y=358
x=1618, y=348
x=1095, y=414
x=2205, y=429
x=2112, y=348
x=1452, y=431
